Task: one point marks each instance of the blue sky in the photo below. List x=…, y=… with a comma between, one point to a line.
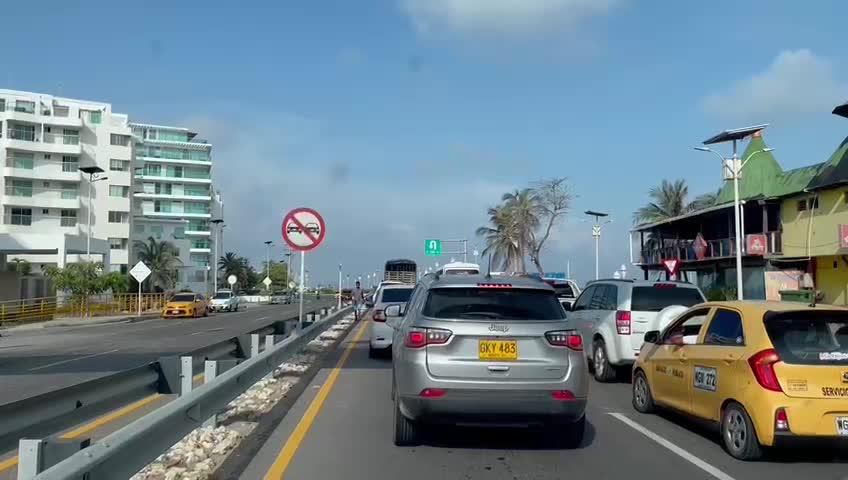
x=404, y=119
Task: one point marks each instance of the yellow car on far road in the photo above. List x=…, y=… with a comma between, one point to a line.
x=766, y=373
x=189, y=305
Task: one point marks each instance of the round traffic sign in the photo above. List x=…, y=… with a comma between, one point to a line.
x=303, y=229
x=232, y=279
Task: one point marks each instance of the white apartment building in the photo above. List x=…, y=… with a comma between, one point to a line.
x=174, y=185
x=46, y=199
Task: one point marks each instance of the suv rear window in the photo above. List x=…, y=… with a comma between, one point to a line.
x=495, y=304
x=396, y=295
x=654, y=299
x=810, y=337
x=223, y=295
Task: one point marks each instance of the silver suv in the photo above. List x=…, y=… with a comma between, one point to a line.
x=613, y=316
x=481, y=350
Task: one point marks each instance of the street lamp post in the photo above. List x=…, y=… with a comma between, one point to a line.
x=93, y=176
x=215, y=229
x=596, y=232
x=340, y=286
x=268, y=244
x=736, y=173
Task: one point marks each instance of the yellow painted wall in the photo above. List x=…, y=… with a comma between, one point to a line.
x=822, y=235
x=833, y=282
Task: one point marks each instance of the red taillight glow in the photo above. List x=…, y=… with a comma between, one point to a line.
x=379, y=316
x=565, y=338
x=421, y=337
x=762, y=364
x=781, y=420
x=432, y=393
x=665, y=285
x=562, y=395
x=622, y=322
x=494, y=285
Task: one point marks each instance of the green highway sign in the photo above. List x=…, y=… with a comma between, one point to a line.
x=432, y=248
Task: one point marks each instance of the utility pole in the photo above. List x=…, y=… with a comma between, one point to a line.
x=216, y=228
x=596, y=232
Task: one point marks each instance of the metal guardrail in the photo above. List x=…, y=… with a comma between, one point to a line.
x=126, y=451
x=47, y=308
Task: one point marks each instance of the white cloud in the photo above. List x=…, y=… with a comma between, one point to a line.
x=797, y=82
x=496, y=18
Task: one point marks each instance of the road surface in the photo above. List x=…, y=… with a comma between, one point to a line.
x=348, y=436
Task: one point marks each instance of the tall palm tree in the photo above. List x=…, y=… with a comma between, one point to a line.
x=524, y=212
x=163, y=260
x=501, y=240
x=231, y=264
x=671, y=199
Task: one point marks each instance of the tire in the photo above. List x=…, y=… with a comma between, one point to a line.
x=603, y=371
x=738, y=434
x=643, y=399
x=406, y=431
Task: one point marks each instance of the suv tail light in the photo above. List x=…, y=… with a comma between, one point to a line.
x=570, y=339
x=379, y=316
x=762, y=364
x=622, y=322
x=421, y=337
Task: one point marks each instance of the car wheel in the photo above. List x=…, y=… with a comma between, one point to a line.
x=604, y=372
x=738, y=434
x=406, y=431
x=643, y=400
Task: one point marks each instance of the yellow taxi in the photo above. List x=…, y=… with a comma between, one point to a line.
x=186, y=304
x=766, y=373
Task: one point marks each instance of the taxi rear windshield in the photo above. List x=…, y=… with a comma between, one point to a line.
x=396, y=295
x=810, y=337
x=183, y=297
x=493, y=304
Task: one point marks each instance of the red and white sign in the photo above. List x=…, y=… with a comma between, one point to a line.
x=843, y=236
x=303, y=229
x=700, y=247
x=755, y=244
x=671, y=266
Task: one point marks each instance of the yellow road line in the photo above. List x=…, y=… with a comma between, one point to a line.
x=10, y=463
x=290, y=448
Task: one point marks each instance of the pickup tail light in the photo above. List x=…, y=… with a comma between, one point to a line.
x=570, y=339
x=622, y=322
x=421, y=337
x=762, y=365
x=379, y=316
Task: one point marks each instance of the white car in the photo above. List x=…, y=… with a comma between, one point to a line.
x=381, y=333
x=614, y=315
x=224, y=300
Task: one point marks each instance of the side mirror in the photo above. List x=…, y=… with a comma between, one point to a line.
x=394, y=311
x=652, y=337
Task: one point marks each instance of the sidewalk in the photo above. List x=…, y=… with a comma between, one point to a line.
x=81, y=321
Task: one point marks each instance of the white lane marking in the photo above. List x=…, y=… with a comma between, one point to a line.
x=715, y=472
x=72, y=360
x=261, y=318
x=196, y=333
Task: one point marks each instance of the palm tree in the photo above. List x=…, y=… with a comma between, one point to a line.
x=163, y=260
x=231, y=264
x=670, y=199
x=501, y=240
x=524, y=212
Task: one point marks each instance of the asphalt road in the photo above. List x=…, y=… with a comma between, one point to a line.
x=38, y=361
x=351, y=438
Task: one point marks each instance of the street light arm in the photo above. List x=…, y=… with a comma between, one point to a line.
x=708, y=149
x=752, y=155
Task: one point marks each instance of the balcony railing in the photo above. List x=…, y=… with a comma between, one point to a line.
x=684, y=250
x=61, y=139
x=22, y=134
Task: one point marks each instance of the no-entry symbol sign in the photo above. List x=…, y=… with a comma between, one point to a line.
x=303, y=229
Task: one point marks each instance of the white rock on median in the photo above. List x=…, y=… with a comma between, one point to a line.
x=199, y=453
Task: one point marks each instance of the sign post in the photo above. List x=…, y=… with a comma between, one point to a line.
x=140, y=272
x=303, y=230
x=432, y=248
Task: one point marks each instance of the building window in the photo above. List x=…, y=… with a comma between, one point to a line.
x=811, y=203
x=163, y=189
x=61, y=111
x=153, y=170
x=20, y=188
x=156, y=231
x=21, y=160
x=22, y=132
x=21, y=216
x=95, y=117
x=70, y=137
x=119, y=217
x=69, y=191
x=24, y=106
x=119, y=191
x=69, y=163
x=45, y=211
x=2, y=104
x=118, y=243
x=47, y=156
x=179, y=233
x=119, y=140
x=119, y=165
x=69, y=218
